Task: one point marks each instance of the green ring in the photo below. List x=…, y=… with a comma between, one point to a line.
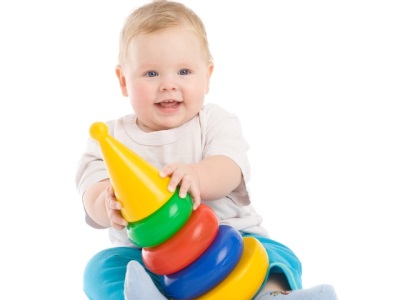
x=163, y=223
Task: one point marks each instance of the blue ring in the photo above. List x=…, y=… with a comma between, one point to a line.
x=209, y=269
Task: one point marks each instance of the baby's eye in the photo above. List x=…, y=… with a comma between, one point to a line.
x=151, y=74
x=184, y=72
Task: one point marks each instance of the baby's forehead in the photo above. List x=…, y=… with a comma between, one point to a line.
x=177, y=44
x=181, y=33
x=176, y=29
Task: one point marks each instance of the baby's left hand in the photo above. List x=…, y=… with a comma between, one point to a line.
x=184, y=176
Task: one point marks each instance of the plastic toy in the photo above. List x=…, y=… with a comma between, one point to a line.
x=173, y=215
x=186, y=245
x=246, y=278
x=147, y=205
x=197, y=257
x=209, y=269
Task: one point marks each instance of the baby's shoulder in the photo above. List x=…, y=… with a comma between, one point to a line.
x=120, y=125
x=212, y=110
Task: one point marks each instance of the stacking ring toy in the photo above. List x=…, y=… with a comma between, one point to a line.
x=246, y=278
x=185, y=246
x=196, y=256
x=163, y=223
x=137, y=184
x=209, y=269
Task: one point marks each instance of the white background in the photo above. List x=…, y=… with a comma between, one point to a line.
x=315, y=83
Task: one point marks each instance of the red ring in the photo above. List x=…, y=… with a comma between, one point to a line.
x=185, y=246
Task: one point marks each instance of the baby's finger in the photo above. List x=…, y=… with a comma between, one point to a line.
x=174, y=182
x=118, y=222
x=185, y=186
x=114, y=204
x=110, y=191
x=196, y=199
x=167, y=170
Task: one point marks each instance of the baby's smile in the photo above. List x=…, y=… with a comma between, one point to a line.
x=169, y=104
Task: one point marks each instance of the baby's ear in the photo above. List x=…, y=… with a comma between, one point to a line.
x=209, y=73
x=122, y=81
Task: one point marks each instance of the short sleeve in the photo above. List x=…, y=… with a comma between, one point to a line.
x=222, y=135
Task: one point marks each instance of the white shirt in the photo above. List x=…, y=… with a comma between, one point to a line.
x=214, y=131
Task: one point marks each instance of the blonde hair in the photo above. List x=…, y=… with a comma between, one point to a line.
x=159, y=15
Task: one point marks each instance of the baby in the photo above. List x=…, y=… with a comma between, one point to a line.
x=164, y=69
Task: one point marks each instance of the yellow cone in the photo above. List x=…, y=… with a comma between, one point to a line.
x=136, y=183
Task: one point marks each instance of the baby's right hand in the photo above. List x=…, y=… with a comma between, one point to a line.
x=113, y=208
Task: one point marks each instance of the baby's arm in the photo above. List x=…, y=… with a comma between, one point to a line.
x=211, y=179
x=102, y=206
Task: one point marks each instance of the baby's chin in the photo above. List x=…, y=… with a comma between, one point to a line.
x=165, y=122
x=172, y=122
x=167, y=125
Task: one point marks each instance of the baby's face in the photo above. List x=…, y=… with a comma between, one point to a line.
x=166, y=77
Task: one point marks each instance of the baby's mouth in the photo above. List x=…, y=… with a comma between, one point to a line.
x=169, y=104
